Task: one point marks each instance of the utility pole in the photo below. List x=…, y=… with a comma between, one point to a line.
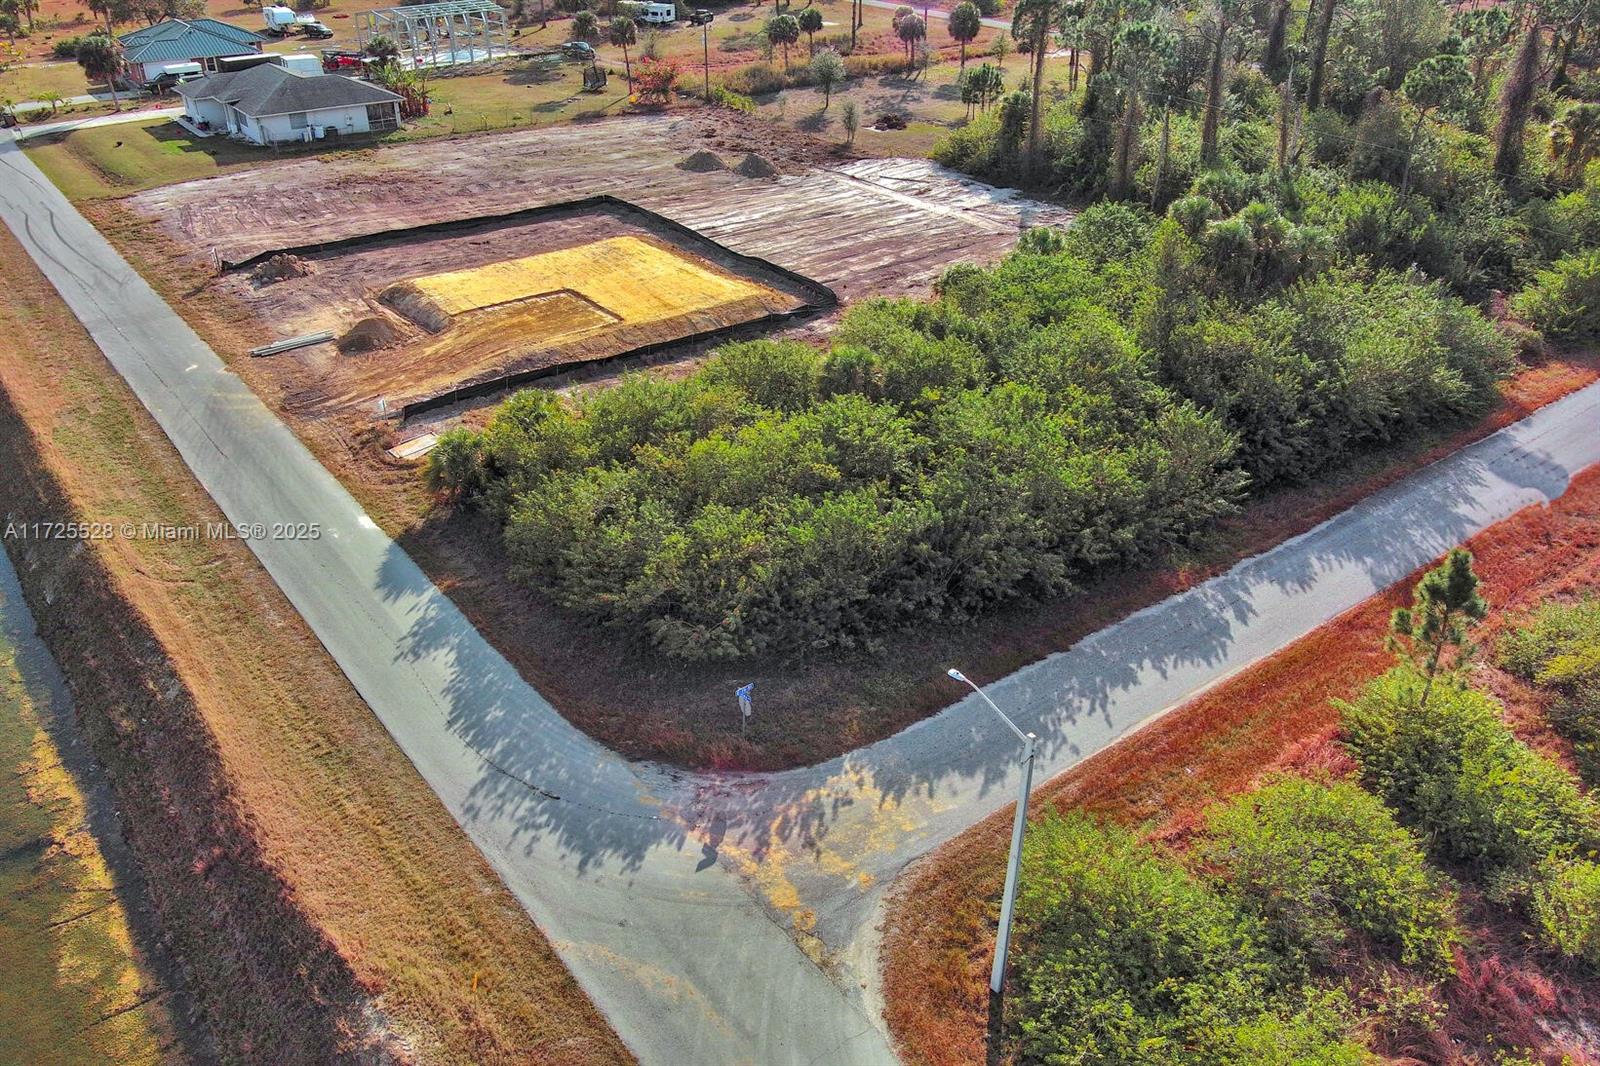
x=997, y=973
x=706, y=43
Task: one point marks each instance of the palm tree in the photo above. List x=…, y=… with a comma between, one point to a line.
x=783, y=30
x=1220, y=20
x=622, y=32
x=910, y=29
x=98, y=58
x=966, y=22
x=810, y=21
x=1032, y=21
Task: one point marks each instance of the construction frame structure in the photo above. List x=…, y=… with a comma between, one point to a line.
x=441, y=34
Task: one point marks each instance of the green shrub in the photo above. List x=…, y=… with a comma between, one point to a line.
x=1566, y=908
x=1127, y=957
x=723, y=96
x=1564, y=301
x=1560, y=647
x=1108, y=232
x=66, y=47
x=1315, y=859
x=1454, y=770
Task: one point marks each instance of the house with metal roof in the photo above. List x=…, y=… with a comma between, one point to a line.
x=149, y=53
x=270, y=104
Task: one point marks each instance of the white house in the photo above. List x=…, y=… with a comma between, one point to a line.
x=270, y=104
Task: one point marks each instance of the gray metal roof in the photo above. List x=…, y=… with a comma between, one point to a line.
x=269, y=89
x=177, y=39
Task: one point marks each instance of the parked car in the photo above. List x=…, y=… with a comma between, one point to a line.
x=579, y=50
x=316, y=31
x=700, y=16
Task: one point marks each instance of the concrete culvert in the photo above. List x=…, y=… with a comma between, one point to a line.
x=369, y=335
x=703, y=162
x=281, y=267
x=753, y=166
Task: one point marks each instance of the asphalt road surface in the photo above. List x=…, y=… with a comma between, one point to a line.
x=682, y=901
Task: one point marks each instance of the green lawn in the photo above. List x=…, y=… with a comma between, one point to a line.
x=127, y=158
x=34, y=81
x=534, y=93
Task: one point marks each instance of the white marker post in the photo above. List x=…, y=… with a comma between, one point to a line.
x=744, y=704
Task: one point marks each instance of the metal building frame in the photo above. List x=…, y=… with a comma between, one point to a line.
x=469, y=31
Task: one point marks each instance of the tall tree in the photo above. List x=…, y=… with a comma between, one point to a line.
x=966, y=22
x=98, y=57
x=1319, y=53
x=910, y=29
x=1222, y=16
x=810, y=21
x=1439, y=83
x=1516, y=100
x=783, y=30
x=1033, y=21
x=1143, y=52
x=1484, y=32
x=1445, y=604
x=623, y=32
x=1277, y=38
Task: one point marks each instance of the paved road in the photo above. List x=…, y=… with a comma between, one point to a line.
x=678, y=900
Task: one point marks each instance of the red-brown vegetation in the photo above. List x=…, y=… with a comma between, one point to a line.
x=1274, y=716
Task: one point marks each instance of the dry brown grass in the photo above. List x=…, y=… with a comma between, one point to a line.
x=1276, y=715
x=315, y=888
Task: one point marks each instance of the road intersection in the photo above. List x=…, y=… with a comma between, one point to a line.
x=727, y=918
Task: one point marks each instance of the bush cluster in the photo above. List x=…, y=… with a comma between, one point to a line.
x=1320, y=860
x=1129, y=957
x=1480, y=796
x=1097, y=396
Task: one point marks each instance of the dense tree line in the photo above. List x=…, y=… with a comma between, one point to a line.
x=1461, y=142
x=1098, y=396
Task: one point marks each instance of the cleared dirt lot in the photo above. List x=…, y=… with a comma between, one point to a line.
x=861, y=228
x=420, y=314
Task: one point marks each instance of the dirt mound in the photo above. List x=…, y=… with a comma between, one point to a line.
x=416, y=306
x=369, y=335
x=753, y=166
x=281, y=267
x=702, y=162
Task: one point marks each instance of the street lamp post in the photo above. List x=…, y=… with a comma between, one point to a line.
x=997, y=975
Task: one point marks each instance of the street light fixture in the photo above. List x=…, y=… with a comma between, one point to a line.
x=997, y=975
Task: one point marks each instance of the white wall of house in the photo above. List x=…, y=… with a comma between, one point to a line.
x=347, y=120
x=214, y=113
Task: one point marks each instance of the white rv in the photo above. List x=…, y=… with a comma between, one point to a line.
x=658, y=14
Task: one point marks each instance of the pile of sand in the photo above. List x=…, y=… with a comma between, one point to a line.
x=703, y=162
x=369, y=335
x=753, y=166
x=281, y=267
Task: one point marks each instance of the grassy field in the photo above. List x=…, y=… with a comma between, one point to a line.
x=32, y=81
x=1275, y=715
x=73, y=991
x=124, y=158
x=362, y=848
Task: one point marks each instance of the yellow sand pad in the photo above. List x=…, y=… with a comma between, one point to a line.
x=637, y=280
